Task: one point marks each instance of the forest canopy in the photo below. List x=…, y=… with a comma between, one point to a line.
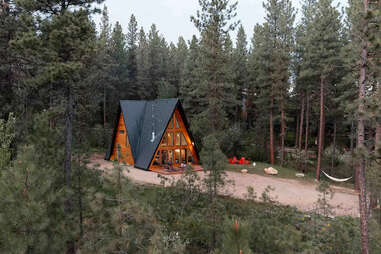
x=302, y=94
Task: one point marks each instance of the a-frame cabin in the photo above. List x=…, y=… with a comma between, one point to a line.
x=152, y=135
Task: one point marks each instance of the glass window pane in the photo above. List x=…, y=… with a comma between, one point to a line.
x=121, y=131
x=164, y=157
x=183, y=140
x=164, y=141
x=127, y=141
x=183, y=156
x=176, y=123
x=170, y=138
x=177, y=156
x=170, y=157
x=156, y=162
x=170, y=125
x=177, y=139
x=190, y=157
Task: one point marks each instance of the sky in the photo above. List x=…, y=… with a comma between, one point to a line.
x=172, y=17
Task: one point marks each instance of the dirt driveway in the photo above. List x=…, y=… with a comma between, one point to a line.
x=298, y=193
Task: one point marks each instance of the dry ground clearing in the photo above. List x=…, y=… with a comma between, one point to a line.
x=298, y=193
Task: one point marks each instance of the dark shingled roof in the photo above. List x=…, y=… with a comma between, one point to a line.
x=141, y=118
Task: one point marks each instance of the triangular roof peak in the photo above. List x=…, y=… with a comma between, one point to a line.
x=142, y=118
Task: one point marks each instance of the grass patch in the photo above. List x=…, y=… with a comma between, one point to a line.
x=283, y=172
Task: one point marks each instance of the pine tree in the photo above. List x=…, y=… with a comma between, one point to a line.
x=105, y=58
x=236, y=237
x=260, y=87
x=361, y=121
x=142, y=65
x=181, y=56
x=154, y=60
x=280, y=18
x=32, y=215
x=191, y=79
x=7, y=136
x=323, y=36
x=9, y=25
x=360, y=169
x=214, y=23
x=132, y=38
x=213, y=161
x=240, y=58
x=66, y=54
x=232, y=105
x=305, y=78
x=176, y=62
x=119, y=71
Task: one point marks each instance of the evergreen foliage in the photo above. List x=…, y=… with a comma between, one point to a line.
x=236, y=237
x=214, y=89
x=293, y=96
x=132, y=39
x=191, y=79
x=213, y=161
x=7, y=136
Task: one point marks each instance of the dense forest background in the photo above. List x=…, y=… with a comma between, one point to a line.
x=305, y=95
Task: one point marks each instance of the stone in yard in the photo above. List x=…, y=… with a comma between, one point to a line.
x=271, y=171
x=244, y=171
x=299, y=175
x=254, y=164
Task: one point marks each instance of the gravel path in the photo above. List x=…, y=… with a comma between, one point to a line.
x=298, y=193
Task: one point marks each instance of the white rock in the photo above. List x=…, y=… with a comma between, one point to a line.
x=254, y=164
x=299, y=175
x=244, y=171
x=270, y=171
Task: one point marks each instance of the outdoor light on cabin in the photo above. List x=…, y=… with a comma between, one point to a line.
x=153, y=137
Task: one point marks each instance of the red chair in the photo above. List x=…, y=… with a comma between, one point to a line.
x=243, y=161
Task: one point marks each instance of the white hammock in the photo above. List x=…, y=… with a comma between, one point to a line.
x=336, y=179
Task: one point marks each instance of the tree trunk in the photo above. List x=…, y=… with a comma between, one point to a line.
x=307, y=133
x=378, y=141
x=104, y=116
x=51, y=121
x=301, y=126
x=321, y=128
x=297, y=132
x=334, y=145
x=352, y=142
x=361, y=141
x=272, y=159
x=377, y=153
x=68, y=156
x=68, y=144
x=80, y=203
x=283, y=133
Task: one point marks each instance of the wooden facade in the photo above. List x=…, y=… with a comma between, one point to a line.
x=176, y=147
x=121, y=138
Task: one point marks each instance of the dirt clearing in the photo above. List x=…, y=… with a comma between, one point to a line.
x=291, y=192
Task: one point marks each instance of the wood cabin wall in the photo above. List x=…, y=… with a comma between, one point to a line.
x=173, y=129
x=122, y=139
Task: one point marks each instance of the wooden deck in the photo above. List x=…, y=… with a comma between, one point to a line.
x=175, y=171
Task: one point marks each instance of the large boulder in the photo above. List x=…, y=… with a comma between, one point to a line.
x=271, y=171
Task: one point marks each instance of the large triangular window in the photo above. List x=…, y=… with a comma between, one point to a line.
x=176, y=147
